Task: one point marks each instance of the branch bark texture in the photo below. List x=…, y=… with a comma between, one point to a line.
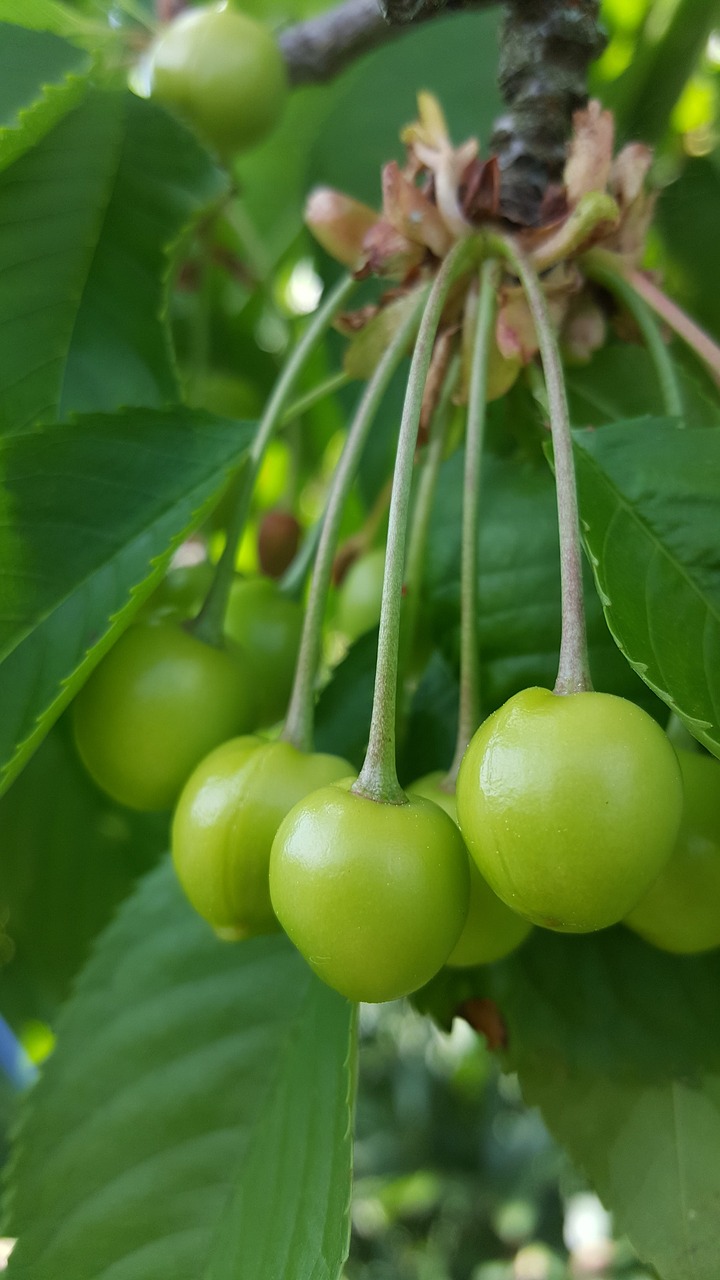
x=545, y=51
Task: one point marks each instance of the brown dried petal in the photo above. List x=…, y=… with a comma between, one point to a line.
x=629, y=239
x=339, y=224
x=591, y=147
x=629, y=172
x=480, y=188
x=411, y=213
x=389, y=253
x=351, y=322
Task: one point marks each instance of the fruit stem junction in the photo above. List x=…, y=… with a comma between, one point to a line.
x=574, y=668
x=378, y=777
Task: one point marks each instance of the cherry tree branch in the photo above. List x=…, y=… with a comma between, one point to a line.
x=319, y=48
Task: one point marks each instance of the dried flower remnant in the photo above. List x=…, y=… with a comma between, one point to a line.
x=445, y=193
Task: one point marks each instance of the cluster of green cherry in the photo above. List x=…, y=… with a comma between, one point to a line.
x=569, y=810
x=569, y=806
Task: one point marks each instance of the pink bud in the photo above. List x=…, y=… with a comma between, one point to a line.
x=339, y=224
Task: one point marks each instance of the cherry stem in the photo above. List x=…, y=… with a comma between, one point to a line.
x=696, y=338
x=627, y=295
x=378, y=778
x=298, y=728
x=335, y=382
x=469, y=711
x=574, y=668
x=208, y=625
x=421, y=512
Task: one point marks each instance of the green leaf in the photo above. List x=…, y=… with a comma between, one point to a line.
x=68, y=857
x=41, y=78
x=623, y=1058
x=621, y=382
x=649, y=507
x=89, y=216
x=92, y=513
x=519, y=583
x=686, y=222
x=342, y=715
x=43, y=15
x=195, y=1119
x=428, y=742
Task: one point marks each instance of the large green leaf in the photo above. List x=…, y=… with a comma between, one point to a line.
x=91, y=513
x=68, y=856
x=621, y=382
x=342, y=715
x=519, y=583
x=89, y=216
x=195, y=1119
x=41, y=78
x=43, y=15
x=619, y=1044
x=649, y=503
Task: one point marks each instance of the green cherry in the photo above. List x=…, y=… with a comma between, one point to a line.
x=373, y=895
x=266, y=625
x=681, y=911
x=224, y=73
x=570, y=806
x=225, y=823
x=491, y=930
x=360, y=595
x=152, y=709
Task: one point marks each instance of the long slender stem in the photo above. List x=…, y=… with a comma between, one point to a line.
x=648, y=326
x=208, y=625
x=378, y=777
x=696, y=338
x=469, y=714
x=574, y=669
x=335, y=382
x=421, y=512
x=299, y=723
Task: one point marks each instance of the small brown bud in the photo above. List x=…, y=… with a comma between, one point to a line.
x=278, y=541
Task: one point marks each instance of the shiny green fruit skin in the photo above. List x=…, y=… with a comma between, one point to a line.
x=225, y=823
x=373, y=895
x=156, y=705
x=570, y=806
x=360, y=595
x=491, y=929
x=267, y=626
x=224, y=73
x=681, y=911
